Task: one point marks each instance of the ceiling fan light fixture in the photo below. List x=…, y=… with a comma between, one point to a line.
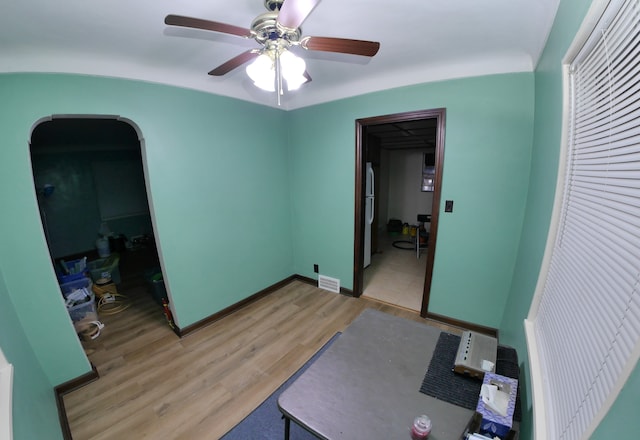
x=276, y=31
x=295, y=83
x=293, y=68
x=262, y=72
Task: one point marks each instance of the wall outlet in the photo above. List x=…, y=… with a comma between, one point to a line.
x=315, y=268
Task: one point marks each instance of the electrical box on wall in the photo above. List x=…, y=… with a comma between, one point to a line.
x=448, y=206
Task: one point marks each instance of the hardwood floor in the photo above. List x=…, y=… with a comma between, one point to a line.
x=154, y=385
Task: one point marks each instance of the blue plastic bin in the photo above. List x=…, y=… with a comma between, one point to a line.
x=85, y=311
x=71, y=276
x=69, y=287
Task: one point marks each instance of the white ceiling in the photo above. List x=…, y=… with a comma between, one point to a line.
x=421, y=41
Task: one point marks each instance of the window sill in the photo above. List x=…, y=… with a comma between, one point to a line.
x=6, y=381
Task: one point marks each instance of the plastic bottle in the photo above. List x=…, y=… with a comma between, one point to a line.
x=102, y=244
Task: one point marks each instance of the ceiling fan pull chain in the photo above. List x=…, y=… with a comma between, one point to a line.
x=278, y=75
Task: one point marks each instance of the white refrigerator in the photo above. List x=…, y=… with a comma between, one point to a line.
x=368, y=213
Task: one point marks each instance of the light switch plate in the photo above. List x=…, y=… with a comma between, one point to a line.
x=448, y=206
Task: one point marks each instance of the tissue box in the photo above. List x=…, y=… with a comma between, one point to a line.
x=493, y=423
x=473, y=427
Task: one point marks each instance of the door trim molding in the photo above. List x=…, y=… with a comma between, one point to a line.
x=358, y=248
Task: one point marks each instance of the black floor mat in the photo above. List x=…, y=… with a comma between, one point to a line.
x=405, y=245
x=443, y=383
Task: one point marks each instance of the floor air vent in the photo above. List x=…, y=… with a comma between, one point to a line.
x=328, y=283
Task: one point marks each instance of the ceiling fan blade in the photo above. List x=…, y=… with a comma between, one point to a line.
x=294, y=12
x=198, y=23
x=234, y=62
x=341, y=45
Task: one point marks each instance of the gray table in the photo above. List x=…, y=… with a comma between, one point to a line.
x=366, y=385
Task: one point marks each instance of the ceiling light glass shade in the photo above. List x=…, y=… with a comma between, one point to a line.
x=293, y=69
x=263, y=73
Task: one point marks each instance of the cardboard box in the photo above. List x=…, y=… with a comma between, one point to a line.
x=494, y=424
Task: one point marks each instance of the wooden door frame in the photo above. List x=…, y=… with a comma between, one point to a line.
x=358, y=245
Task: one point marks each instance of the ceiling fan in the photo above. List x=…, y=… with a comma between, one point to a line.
x=277, y=31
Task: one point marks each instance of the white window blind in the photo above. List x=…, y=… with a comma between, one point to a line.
x=583, y=329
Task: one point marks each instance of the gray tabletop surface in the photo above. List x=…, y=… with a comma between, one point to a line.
x=366, y=385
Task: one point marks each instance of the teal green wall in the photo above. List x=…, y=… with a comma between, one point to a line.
x=489, y=122
x=219, y=191
x=35, y=414
x=220, y=196
x=621, y=423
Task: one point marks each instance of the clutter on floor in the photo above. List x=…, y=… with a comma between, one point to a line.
x=81, y=282
x=91, y=286
x=81, y=305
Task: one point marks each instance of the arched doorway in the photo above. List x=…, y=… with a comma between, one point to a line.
x=92, y=190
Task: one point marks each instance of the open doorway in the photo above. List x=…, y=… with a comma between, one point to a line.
x=380, y=142
x=92, y=195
